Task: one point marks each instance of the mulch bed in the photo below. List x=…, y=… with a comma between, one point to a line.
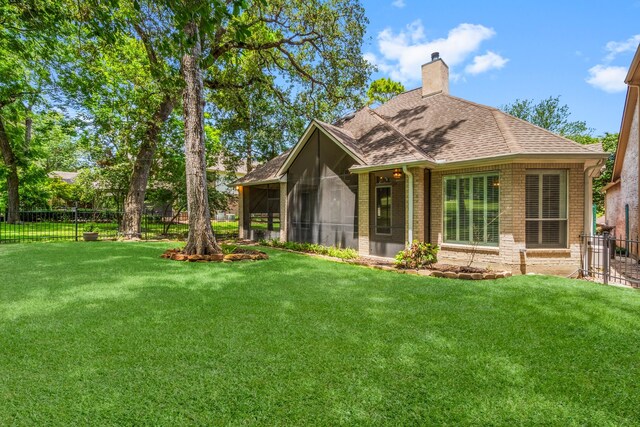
x=435, y=270
x=238, y=254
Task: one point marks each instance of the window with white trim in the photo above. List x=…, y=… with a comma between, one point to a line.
x=472, y=209
x=546, y=209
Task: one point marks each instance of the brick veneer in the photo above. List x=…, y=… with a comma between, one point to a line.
x=241, y=212
x=363, y=214
x=508, y=255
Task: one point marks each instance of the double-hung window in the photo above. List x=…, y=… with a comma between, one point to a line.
x=472, y=209
x=546, y=209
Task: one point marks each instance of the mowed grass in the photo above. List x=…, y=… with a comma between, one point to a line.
x=109, y=333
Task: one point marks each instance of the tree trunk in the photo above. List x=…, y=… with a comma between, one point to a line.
x=13, y=202
x=201, y=240
x=134, y=200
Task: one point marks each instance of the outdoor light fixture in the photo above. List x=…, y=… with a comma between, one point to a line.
x=397, y=174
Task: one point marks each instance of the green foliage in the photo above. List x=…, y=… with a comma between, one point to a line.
x=343, y=253
x=91, y=227
x=382, y=90
x=418, y=255
x=548, y=114
x=609, y=144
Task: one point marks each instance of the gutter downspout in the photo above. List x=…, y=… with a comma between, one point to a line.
x=410, y=214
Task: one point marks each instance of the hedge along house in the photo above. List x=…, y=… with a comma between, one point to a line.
x=431, y=167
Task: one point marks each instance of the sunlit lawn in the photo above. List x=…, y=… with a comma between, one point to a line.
x=109, y=333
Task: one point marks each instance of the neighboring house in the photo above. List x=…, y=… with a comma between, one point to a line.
x=223, y=179
x=432, y=167
x=68, y=177
x=622, y=194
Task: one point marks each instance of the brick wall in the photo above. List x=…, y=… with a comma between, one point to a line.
x=508, y=255
x=418, y=205
x=241, y=212
x=363, y=214
x=629, y=180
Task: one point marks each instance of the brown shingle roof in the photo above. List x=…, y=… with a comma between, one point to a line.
x=266, y=171
x=439, y=129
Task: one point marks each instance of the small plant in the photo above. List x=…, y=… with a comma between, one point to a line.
x=419, y=254
x=314, y=248
x=91, y=227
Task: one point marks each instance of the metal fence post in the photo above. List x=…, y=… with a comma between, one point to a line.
x=75, y=218
x=605, y=257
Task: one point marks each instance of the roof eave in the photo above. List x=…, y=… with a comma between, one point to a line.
x=506, y=158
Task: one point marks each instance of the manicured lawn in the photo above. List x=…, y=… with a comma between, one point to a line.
x=109, y=333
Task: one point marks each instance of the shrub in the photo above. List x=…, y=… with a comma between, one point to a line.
x=419, y=254
x=91, y=227
x=343, y=253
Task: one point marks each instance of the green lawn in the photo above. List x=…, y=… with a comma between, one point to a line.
x=109, y=333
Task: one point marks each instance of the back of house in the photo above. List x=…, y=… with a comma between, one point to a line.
x=428, y=166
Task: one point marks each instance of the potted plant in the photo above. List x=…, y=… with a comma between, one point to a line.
x=90, y=233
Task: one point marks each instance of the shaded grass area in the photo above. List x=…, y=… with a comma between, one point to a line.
x=109, y=333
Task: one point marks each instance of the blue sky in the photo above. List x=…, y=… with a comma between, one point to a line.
x=499, y=51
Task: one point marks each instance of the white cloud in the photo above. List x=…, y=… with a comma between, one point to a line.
x=616, y=48
x=486, y=62
x=607, y=78
x=402, y=53
x=399, y=3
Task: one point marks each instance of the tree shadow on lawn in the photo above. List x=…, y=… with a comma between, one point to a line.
x=299, y=339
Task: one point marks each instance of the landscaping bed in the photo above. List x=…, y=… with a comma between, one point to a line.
x=448, y=271
x=229, y=254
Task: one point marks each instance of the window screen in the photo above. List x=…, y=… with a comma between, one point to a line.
x=472, y=209
x=546, y=209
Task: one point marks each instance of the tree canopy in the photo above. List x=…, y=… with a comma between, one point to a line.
x=382, y=90
x=548, y=114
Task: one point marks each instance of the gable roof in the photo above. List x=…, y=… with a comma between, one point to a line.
x=630, y=106
x=435, y=130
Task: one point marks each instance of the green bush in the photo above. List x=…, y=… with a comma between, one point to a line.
x=91, y=227
x=343, y=253
x=419, y=254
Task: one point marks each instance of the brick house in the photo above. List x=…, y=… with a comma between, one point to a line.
x=432, y=167
x=622, y=193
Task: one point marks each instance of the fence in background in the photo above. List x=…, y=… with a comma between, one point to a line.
x=70, y=224
x=610, y=259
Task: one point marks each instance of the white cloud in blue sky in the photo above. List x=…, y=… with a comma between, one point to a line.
x=607, y=77
x=402, y=53
x=398, y=3
x=615, y=48
x=486, y=62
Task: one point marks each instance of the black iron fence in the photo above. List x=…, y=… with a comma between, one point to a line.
x=611, y=260
x=71, y=224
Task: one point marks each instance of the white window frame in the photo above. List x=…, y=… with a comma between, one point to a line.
x=540, y=173
x=375, y=206
x=457, y=178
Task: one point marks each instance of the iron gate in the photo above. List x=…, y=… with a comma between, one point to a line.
x=610, y=259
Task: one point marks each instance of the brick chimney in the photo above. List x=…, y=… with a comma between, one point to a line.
x=435, y=76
